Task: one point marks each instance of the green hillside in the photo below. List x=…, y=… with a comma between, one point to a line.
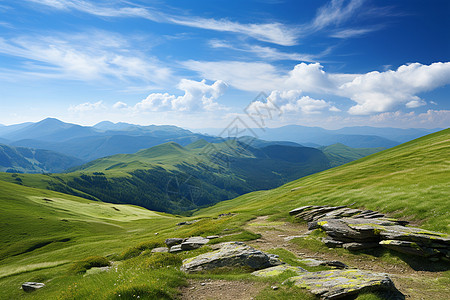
x=409, y=181
x=172, y=178
x=340, y=154
x=45, y=234
x=28, y=160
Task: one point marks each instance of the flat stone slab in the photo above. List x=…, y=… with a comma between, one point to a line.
x=278, y=270
x=194, y=243
x=160, y=250
x=32, y=286
x=231, y=254
x=312, y=262
x=340, y=283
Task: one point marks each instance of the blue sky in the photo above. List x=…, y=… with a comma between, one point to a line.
x=201, y=64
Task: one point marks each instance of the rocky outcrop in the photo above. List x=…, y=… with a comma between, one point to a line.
x=173, y=241
x=278, y=270
x=336, y=284
x=355, y=229
x=312, y=262
x=231, y=254
x=194, y=242
x=32, y=286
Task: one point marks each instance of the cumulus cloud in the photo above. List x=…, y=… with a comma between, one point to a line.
x=382, y=91
x=198, y=96
x=373, y=92
x=439, y=118
x=291, y=101
x=87, y=106
x=120, y=105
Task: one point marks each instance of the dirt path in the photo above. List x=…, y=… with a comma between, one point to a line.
x=220, y=289
x=413, y=284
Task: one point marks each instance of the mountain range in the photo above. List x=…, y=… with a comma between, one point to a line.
x=107, y=138
x=356, y=137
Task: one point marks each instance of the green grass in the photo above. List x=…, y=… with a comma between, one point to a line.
x=44, y=233
x=409, y=181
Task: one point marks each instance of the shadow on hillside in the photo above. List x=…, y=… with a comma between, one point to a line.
x=417, y=263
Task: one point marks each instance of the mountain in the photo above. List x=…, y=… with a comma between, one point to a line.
x=172, y=178
x=11, y=128
x=45, y=236
x=394, y=134
x=27, y=160
x=50, y=130
x=320, y=136
x=409, y=181
x=356, y=137
x=340, y=154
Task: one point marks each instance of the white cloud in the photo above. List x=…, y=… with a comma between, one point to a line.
x=373, y=92
x=244, y=76
x=267, y=53
x=335, y=13
x=87, y=106
x=86, y=56
x=382, y=91
x=198, y=96
x=120, y=105
x=348, y=33
x=268, y=32
x=292, y=101
x=438, y=118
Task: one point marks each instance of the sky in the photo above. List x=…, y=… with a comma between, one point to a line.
x=203, y=63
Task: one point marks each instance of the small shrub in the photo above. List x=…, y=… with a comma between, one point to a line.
x=160, y=260
x=138, y=249
x=141, y=291
x=82, y=266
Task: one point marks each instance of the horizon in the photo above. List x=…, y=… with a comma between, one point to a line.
x=329, y=64
x=212, y=128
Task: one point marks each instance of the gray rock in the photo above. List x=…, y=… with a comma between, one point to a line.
x=211, y=237
x=330, y=243
x=356, y=229
x=359, y=246
x=173, y=241
x=194, y=243
x=278, y=270
x=160, y=250
x=231, y=254
x=340, y=283
x=311, y=262
x=301, y=209
x=32, y=286
x=175, y=249
x=408, y=248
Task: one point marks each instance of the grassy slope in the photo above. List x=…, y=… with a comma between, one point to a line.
x=41, y=238
x=172, y=178
x=340, y=154
x=410, y=181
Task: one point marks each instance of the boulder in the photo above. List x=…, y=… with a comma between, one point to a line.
x=367, y=228
x=278, y=270
x=32, y=286
x=336, y=284
x=175, y=249
x=311, y=262
x=173, y=241
x=211, y=237
x=194, y=242
x=160, y=250
x=407, y=248
x=231, y=254
x=359, y=246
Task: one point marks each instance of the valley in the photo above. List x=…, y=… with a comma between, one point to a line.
x=47, y=232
